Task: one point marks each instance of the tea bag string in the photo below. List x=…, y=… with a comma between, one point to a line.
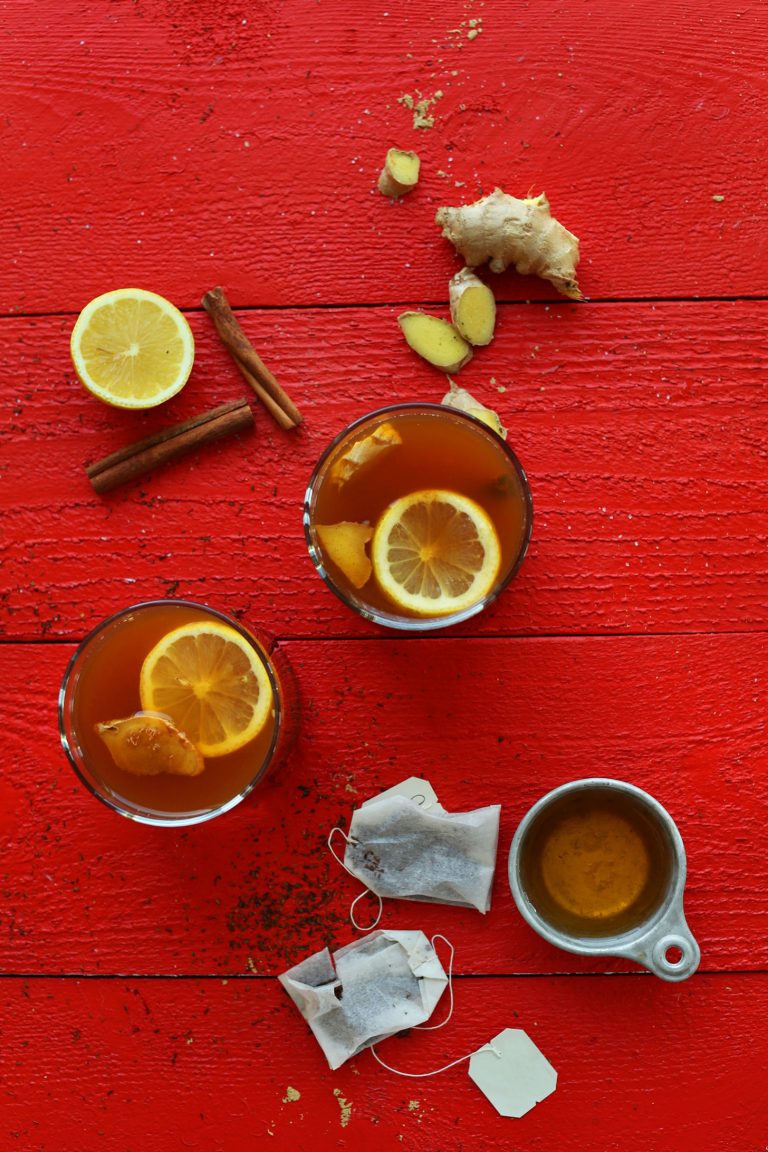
x=434, y=1027
x=489, y=1047
x=365, y=891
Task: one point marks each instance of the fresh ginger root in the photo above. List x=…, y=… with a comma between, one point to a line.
x=503, y=230
x=146, y=745
x=435, y=340
x=464, y=401
x=364, y=452
x=473, y=307
x=344, y=543
x=400, y=173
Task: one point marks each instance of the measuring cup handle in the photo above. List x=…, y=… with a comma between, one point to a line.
x=671, y=953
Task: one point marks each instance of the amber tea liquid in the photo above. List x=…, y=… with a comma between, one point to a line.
x=440, y=448
x=103, y=685
x=595, y=863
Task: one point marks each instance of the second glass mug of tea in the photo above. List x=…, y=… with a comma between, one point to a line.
x=417, y=516
x=171, y=712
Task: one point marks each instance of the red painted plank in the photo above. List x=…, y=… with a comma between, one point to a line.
x=488, y=721
x=642, y=428
x=176, y=147
x=120, y=1065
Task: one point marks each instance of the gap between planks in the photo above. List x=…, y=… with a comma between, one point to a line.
x=313, y=306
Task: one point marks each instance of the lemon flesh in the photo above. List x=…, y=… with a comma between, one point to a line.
x=211, y=683
x=132, y=348
x=435, y=552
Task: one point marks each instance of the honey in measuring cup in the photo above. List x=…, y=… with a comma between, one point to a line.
x=595, y=863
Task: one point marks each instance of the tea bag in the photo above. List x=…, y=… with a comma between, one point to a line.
x=404, y=844
x=366, y=991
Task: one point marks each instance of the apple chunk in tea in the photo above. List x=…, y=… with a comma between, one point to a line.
x=420, y=512
x=174, y=709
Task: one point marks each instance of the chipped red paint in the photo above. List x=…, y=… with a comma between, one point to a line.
x=176, y=146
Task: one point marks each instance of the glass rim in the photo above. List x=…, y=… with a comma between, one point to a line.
x=394, y=620
x=155, y=819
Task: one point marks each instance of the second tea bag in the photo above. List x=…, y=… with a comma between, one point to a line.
x=403, y=844
x=366, y=991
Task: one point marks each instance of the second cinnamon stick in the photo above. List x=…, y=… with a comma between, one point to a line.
x=145, y=455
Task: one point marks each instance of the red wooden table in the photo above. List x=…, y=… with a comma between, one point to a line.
x=177, y=145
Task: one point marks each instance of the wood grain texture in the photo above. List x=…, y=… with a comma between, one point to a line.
x=643, y=430
x=176, y=146
x=486, y=720
x=121, y=1065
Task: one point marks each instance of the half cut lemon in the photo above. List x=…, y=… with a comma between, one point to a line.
x=435, y=552
x=132, y=348
x=211, y=683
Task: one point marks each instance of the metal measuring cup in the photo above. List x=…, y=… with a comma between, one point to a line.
x=660, y=940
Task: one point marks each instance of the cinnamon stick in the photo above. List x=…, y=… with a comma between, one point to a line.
x=274, y=409
x=252, y=367
x=145, y=455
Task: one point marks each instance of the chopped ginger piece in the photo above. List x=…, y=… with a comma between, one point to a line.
x=435, y=340
x=473, y=307
x=148, y=745
x=400, y=173
x=364, y=452
x=344, y=544
x=464, y=401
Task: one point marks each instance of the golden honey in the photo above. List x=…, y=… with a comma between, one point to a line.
x=594, y=863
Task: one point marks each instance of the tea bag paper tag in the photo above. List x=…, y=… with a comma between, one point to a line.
x=420, y=791
x=512, y=1073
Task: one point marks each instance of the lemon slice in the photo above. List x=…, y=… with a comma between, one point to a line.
x=435, y=552
x=132, y=349
x=211, y=683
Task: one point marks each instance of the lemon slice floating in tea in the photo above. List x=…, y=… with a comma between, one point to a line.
x=435, y=552
x=211, y=683
x=132, y=348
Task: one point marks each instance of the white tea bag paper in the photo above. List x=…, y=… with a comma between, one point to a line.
x=366, y=991
x=403, y=844
x=512, y=1072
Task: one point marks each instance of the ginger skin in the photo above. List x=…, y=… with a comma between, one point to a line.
x=146, y=745
x=435, y=340
x=364, y=452
x=464, y=401
x=473, y=307
x=501, y=230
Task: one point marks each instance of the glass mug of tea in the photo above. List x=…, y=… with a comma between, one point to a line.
x=597, y=867
x=171, y=712
x=417, y=516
